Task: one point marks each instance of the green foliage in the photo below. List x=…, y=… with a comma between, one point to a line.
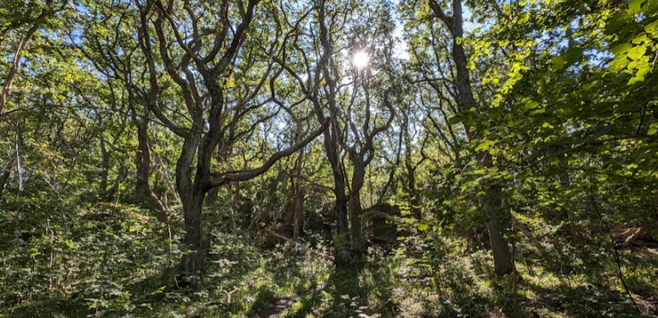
x=559, y=148
x=91, y=262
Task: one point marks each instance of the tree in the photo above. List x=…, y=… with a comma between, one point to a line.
x=454, y=89
x=201, y=59
x=24, y=21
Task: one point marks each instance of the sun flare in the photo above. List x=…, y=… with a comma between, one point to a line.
x=361, y=59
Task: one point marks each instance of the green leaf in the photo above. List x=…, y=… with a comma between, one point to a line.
x=485, y=145
x=573, y=54
x=635, y=6
x=637, y=52
x=422, y=227
x=456, y=119
x=621, y=48
x=531, y=104
x=558, y=63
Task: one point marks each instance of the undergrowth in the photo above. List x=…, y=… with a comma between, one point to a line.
x=121, y=262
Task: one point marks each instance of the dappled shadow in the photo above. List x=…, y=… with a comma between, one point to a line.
x=144, y=295
x=56, y=306
x=581, y=301
x=354, y=289
x=592, y=288
x=266, y=285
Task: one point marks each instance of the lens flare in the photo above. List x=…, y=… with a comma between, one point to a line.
x=361, y=59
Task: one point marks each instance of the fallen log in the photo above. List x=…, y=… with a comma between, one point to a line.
x=279, y=236
x=625, y=236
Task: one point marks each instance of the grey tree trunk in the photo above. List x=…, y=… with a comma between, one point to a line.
x=465, y=101
x=342, y=239
x=192, y=200
x=412, y=190
x=492, y=204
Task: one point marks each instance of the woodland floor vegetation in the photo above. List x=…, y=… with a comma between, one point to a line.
x=120, y=262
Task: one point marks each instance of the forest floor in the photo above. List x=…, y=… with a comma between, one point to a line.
x=279, y=305
x=117, y=264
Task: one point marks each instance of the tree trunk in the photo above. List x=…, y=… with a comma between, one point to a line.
x=298, y=199
x=211, y=197
x=144, y=196
x=356, y=211
x=503, y=262
x=341, y=241
x=465, y=102
x=105, y=167
x=192, y=201
x=4, y=177
x=143, y=164
x=113, y=191
x=16, y=63
x=413, y=192
x=331, y=142
x=496, y=224
x=199, y=145
x=567, y=216
x=234, y=196
x=192, y=262
x=298, y=209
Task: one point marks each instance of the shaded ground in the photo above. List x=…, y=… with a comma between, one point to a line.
x=280, y=304
x=277, y=306
x=133, y=275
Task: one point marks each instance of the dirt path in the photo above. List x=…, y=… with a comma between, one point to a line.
x=279, y=304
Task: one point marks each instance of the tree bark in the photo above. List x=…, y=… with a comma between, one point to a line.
x=105, y=167
x=342, y=256
x=113, y=191
x=341, y=241
x=503, y=262
x=144, y=196
x=411, y=188
x=356, y=210
x=234, y=195
x=4, y=177
x=298, y=208
x=211, y=197
x=567, y=216
x=192, y=262
x=192, y=200
x=298, y=199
